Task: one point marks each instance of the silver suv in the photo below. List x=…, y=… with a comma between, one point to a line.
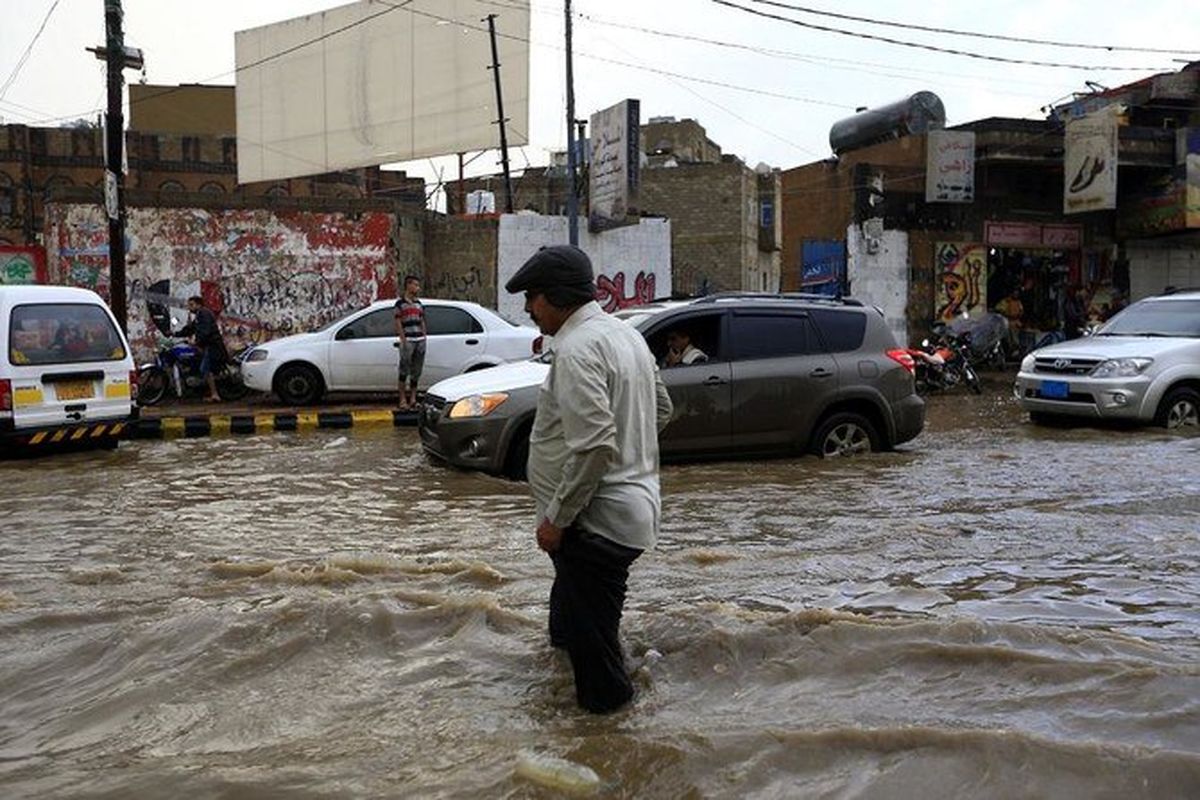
x=1143, y=365
x=776, y=374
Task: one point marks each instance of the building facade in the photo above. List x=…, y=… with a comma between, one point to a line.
x=864, y=222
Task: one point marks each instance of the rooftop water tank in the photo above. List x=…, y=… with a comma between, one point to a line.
x=917, y=113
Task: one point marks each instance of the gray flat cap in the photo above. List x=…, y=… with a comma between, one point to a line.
x=561, y=265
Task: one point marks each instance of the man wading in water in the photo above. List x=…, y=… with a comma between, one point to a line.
x=593, y=465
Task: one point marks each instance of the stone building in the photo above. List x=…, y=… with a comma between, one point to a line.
x=725, y=225
x=163, y=156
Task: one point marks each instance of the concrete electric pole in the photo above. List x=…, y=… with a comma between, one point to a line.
x=114, y=177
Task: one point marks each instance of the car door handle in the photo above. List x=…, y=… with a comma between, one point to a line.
x=472, y=341
x=715, y=380
x=820, y=372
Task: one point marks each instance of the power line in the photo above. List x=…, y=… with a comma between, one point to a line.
x=933, y=48
x=976, y=34
x=25, y=56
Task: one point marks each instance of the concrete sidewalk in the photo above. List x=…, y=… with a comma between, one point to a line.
x=264, y=414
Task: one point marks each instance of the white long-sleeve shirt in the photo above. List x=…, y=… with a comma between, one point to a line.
x=593, y=452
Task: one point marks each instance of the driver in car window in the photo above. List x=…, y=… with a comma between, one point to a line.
x=681, y=351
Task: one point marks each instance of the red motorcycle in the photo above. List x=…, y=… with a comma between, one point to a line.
x=944, y=362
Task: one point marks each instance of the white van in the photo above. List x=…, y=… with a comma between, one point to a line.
x=66, y=373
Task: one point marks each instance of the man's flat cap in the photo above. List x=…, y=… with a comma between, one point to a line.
x=550, y=267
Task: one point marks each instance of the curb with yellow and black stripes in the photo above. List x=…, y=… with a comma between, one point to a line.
x=248, y=424
x=75, y=434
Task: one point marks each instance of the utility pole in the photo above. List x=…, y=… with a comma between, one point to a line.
x=572, y=196
x=508, y=194
x=114, y=178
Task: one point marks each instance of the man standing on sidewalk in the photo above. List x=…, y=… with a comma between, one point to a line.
x=593, y=465
x=206, y=334
x=410, y=327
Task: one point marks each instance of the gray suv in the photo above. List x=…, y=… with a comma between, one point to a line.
x=1143, y=365
x=779, y=374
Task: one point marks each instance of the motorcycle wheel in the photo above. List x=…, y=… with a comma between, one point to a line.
x=152, y=386
x=972, y=379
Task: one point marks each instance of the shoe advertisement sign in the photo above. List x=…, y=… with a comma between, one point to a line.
x=1090, y=162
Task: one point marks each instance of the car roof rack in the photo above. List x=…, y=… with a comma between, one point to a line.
x=808, y=297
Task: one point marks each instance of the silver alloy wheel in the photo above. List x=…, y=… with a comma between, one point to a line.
x=1183, y=414
x=846, y=439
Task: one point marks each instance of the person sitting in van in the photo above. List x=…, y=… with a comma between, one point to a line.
x=206, y=334
x=71, y=341
x=681, y=351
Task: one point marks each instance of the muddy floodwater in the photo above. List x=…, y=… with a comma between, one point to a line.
x=997, y=610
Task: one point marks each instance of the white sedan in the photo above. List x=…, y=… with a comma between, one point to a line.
x=358, y=353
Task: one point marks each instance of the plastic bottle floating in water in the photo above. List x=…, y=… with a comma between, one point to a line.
x=558, y=773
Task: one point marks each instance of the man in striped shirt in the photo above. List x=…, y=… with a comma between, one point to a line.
x=410, y=327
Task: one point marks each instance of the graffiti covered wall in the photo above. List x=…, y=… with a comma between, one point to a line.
x=22, y=264
x=962, y=279
x=632, y=264
x=268, y=273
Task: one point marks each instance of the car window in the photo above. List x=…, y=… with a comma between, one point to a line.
x=695, y=339
x=772, y=336
x=448, y=321
x=840, y=331
x=1157, y=318
x=377, y=324
x=62, y=333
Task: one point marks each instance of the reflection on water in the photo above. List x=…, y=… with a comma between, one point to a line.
x=992, y=608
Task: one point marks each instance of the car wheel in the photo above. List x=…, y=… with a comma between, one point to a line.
x=298, y=384
x=516, y=464
x=1179, y=409
x=845, y=434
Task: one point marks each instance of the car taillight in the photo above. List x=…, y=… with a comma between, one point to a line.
x=6, y=403
x=133, y=384
x=903, y=358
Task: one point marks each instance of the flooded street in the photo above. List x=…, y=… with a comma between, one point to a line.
x=996, y=610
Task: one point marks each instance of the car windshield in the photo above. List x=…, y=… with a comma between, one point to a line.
x=1156, y=318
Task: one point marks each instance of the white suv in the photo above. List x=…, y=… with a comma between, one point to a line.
x=1143, y=365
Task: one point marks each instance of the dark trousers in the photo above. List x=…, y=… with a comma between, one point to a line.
x=586, y=600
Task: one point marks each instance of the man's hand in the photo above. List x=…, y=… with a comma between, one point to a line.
x=549, y=536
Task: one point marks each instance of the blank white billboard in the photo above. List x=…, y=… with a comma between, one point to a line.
x=376, y=82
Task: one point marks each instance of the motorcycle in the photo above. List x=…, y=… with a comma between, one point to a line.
x=944, y=362
x=176, y=369
x=985, y=336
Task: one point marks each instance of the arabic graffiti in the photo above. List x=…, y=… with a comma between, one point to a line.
x=962, y=269
x=610, y=291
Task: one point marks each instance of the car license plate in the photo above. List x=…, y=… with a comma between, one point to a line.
x=73, y=390
x=1055, y=390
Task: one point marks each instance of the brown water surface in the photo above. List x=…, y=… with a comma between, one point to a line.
x=997, y=610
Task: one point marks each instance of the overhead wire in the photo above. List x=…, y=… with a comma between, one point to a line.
x=12, y=77
x=974, y=34
x=929, y=47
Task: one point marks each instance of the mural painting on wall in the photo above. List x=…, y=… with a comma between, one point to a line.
x=268, y=273
x=20, y=265
x=962, y=275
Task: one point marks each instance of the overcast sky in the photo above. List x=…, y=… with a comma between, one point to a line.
x=765, y=90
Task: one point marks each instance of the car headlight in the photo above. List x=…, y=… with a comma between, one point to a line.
x=1027, y=363
x=477, y=405
x=257, y=354
x=1122, y=367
